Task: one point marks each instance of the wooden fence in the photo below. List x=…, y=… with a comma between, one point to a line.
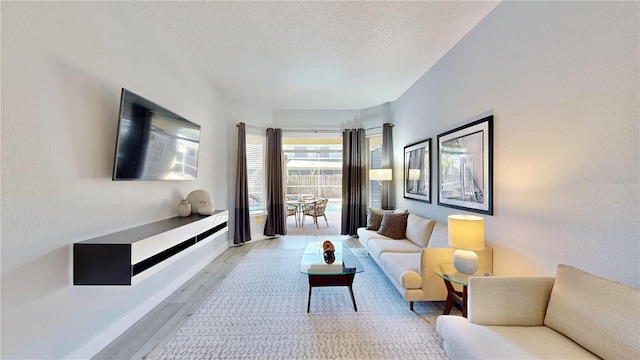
x=329, y=186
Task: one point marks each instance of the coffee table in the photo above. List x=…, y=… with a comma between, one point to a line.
x=321, y=274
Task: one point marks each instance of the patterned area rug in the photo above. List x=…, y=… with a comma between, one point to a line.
x=260, y=312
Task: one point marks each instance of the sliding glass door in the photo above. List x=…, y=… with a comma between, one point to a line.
x=314, y=167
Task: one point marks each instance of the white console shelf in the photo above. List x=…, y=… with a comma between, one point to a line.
x=129, y=256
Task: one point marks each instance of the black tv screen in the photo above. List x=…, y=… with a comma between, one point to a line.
x=154, y=143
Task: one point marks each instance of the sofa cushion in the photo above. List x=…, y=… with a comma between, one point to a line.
x=394, y=225
x=465, y=340
x=511, y=301
x=365, y=235
x=374, y=218
x=380, y=246
x=599, y=314
x=403, y=267
x=439, y=236
x=419, y=229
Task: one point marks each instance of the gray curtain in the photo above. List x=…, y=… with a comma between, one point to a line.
x=242, y=224
x=276, y=222
x=354, y=181
x=388, y=199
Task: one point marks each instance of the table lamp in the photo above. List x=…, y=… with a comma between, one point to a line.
x=466, y=234
x=380, y=174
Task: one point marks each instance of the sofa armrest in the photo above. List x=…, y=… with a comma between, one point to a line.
x=432, y=284
x=510, y=301
x=434, y=256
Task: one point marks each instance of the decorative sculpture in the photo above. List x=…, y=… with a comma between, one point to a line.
x=199, y=199
x=329, y=252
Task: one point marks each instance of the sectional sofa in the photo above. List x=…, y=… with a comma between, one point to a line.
x=407, y=247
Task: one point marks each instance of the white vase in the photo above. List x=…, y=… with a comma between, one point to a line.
x=184, y=208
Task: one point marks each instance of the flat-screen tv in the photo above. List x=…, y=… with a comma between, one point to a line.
x=154, y=143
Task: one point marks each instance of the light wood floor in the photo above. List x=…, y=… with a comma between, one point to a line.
x=147, y=337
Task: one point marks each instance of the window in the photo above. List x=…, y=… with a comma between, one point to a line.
x=374, y=152
x=255, y=172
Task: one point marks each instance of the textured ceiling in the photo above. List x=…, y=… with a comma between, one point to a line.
x=314, y=55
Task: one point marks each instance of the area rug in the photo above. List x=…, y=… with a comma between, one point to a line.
x=260, y=312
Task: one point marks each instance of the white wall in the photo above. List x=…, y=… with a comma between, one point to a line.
x=562, y=82
x=316, y=119
x=374, y=117
x=63, y=65
x=368, y=118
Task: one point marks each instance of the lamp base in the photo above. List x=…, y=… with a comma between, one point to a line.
x=465, y=261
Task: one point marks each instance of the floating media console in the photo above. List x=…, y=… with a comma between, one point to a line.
x=126, y=257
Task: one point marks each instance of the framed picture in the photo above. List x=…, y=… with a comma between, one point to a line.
x=417, y=171
x=465, y=167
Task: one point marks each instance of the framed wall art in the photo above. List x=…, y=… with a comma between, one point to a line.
x=465, y=167
x=417, y=171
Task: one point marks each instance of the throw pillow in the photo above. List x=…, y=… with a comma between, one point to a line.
x=393, y=225
x=374, y=218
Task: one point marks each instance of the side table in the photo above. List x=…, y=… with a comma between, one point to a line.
x=451, y=276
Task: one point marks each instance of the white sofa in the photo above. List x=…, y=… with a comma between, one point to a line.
x=575, y=315
x=408, y=262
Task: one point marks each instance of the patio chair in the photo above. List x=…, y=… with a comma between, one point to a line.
x=316, y=210
x=292, y=210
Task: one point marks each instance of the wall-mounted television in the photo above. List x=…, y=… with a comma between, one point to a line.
x=154, y=143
